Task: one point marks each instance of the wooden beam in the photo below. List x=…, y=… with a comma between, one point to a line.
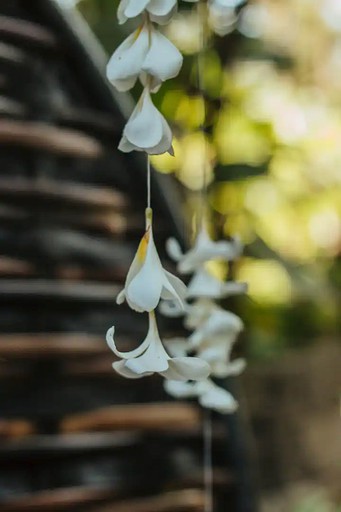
x=63, y=290
x=189, y=500
x=44, y=137
x=66, y=193
x=23, y=31
x=59, y=345
x=148, y=417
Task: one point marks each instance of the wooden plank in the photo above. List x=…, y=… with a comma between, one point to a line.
x=14, y=267
x=67, y=193
x=23, y=31
x=58, y=499
x=15, y=429
x=56, y=446
x=59, y=345
x=148, y=417
x=189, y=500
x=44, y=137
x=61, y=290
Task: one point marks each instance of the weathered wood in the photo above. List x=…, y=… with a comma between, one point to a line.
x=26, y=32
x=60, y=290
x=153, y=417
x=15, y=429
x=43, y=136
x=66, y=499
x=16, y=346
x=14, y=267
x=58, y=499
x=88, y=119
x=21, y=446
x=189, y=500
x=66, y=194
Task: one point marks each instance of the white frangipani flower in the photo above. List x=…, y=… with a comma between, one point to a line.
x=205, y=249
x=209, y=394
x=146, y=130
x=204, y=284
x=159, y=11
x=147, y=281
x=150, y=357
x=146, y=54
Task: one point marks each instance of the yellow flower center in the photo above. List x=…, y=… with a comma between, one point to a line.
x=142, y=250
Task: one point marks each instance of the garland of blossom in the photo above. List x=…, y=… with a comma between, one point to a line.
x=148, y=56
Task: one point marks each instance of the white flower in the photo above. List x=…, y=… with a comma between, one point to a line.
x=209, y=394
x=160, y=11
x=217, y=353
x=146, y=130
x=219, y=323
x=147, y=281
x=145, y=53
x=204, y=284
x=150, y=357
x=204, y=250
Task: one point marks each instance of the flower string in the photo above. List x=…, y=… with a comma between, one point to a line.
x=148, y=56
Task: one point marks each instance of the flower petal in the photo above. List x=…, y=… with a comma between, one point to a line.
x=171, y=308
x=135, y=7
x=121, y=369
x=125, y=355
x=145, y=127
x=125, y=64
x=155, y=359
x=163, y=60
x=218, y=399
x=174, y=249
x=187, y=368
x=144, y=290
x=179, y=389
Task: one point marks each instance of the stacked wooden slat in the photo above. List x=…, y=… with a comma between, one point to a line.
x=73, y=435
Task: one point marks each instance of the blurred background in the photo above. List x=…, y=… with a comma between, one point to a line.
x=71, y=216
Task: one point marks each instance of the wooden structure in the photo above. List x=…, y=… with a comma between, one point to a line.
x=73, y=435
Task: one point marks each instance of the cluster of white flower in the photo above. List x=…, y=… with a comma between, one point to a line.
x=149, y=56
x=147, y=282
x=222, y=15
x=215, y=330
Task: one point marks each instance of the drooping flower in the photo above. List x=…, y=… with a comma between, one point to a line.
x=147, y=281
x=219, y=323
x=151, y=357
x=146, y=130
x=205, y=249
x=208, y=393
x=204, y=284
x=146, y=54
x=213, y=343
x=159, y=11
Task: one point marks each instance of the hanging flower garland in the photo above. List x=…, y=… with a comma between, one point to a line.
x=149, y=57
x=215, y=330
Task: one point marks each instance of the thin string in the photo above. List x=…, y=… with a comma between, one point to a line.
x=208, y=468
x=207, y=425
x=148, y=182
x=201, y=88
